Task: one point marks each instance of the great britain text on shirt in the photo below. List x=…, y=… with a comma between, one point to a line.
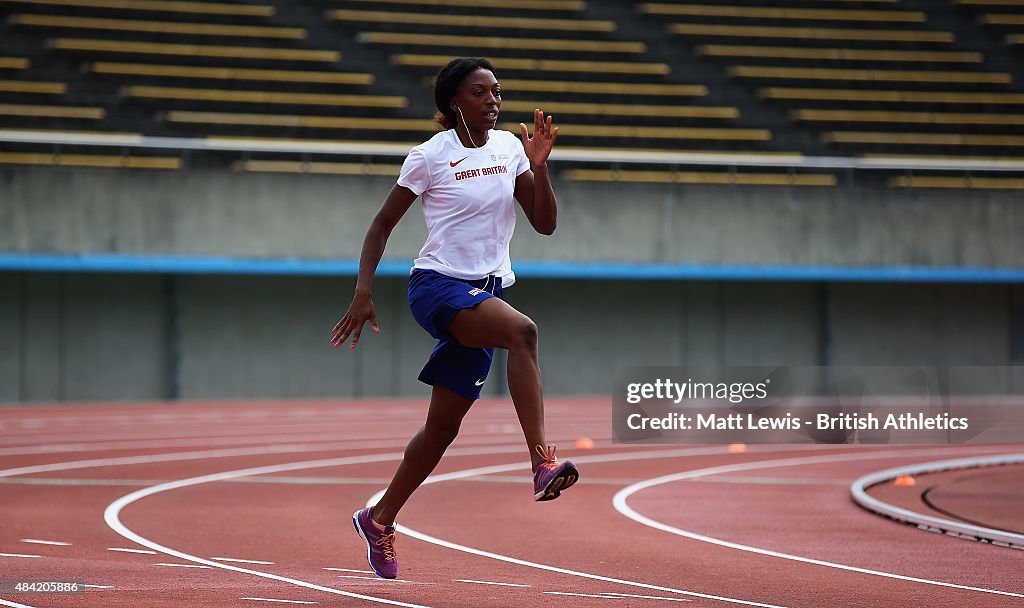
x=471, y=173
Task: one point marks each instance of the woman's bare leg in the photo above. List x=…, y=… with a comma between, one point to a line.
x=423, y=452
x=495, y=324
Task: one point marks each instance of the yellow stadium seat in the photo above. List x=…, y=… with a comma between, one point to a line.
x=477, y=21
x=317, y=167
x=991, y=2
x=726, y=156
x=837, y=54
x=13, y=63
x=90, y=160
x=158, y=27
x=292, y=120
x=935, y=118
x=164, y=6
x=809, y=33
x=544, y=65
x=26, y=86
x=1002, y=19
x=679, y=133
x=499, y=42
x=267, y=97
x=794, y=73
x=512, y=85
x=802, y=14
x=968, y=182
x=126, y=138
x=226, y=73
x=992, y=161
x=542, y=5
x=611, y=109
x=924, y=139
x=193, y=50
x=892, y=96
x=38, y=111
x=700, y=177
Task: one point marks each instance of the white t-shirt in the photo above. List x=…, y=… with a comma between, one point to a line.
x=468, y=203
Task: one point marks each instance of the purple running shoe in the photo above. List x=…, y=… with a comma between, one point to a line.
x=380, y=544
x=552, y=476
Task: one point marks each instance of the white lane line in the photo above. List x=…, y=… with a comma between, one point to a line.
x=216, y=441
x=157, y=438
x=36, y=541
x=383, y=580
x=350, y=570
x=180, y=565
x=14, y=604
x=369, y=578
x=608, y=595
x=228, y=453
x=17, y=555
x=113, y=510
x=241, y=561
x=649, y=597
x=464, y=580
x=619, y=502
x=124, y=550
x=267, y=599
x=771, y=481
x=54, y=481
x=172, y=457
x=111, y=514
x=99, y=586
x=618, y=457
x=604, y=597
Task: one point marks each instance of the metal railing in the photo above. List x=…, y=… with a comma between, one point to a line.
x=601, y=156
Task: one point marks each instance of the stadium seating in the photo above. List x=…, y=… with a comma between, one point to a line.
x=882, y=77
x=830, y=77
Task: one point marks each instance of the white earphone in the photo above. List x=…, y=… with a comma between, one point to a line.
x=455, y=106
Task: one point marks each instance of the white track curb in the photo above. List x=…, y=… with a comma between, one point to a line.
x=858, y=492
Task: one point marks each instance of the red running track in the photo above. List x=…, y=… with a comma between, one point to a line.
x=192, y=488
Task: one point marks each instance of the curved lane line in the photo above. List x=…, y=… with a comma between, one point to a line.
x=112, y=513
x=619, y=502
x=14, y=604
x=113, y=510
x=619, y=457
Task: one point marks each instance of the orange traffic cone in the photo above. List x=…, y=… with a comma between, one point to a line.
x=584, y=443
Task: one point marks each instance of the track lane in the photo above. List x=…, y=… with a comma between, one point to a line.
x=497, y=517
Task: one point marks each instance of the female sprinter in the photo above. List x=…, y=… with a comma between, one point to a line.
x=467, y=175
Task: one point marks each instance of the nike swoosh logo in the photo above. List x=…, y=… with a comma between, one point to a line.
x=458, y=161
x=479, y=383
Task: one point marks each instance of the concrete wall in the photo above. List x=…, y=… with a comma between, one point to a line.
x=99, y=337
x=96, y=336
x=305, y=216
x=83, y=337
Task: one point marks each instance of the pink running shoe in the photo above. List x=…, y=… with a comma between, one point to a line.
x=552, y=476
x=380, y=544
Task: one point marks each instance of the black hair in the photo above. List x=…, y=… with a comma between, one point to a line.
x=446, y=83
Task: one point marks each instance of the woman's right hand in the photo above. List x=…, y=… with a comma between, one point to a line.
x=361, y=309
x=359, y=312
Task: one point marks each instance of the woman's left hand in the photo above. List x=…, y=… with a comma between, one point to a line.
x=538, y=147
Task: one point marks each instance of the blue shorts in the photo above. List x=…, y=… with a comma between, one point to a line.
x=435, y=299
